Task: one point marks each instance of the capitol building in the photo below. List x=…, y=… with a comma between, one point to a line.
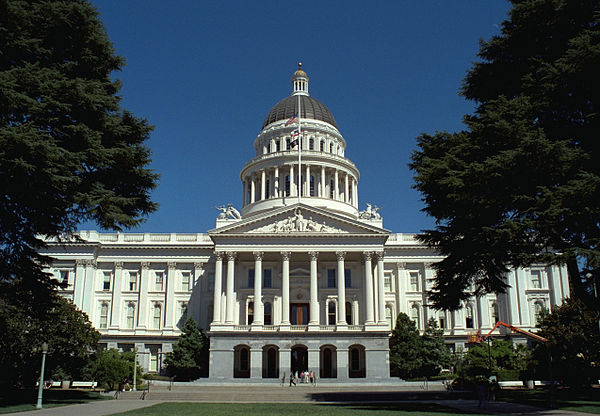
x=299, y=278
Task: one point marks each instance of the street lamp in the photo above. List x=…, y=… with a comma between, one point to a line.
x=41, y=386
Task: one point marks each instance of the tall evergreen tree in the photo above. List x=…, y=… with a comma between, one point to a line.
x=522, y=183
x=435, y=355
x=405, y=348
x=189, y=357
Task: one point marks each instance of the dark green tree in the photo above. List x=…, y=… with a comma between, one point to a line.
x=188, y=360
x=521, y=183
x=68, y=151
x=574, y=341
x=500, y=357
x=110, y=368
x=435, y=355
x=70, y=336
x=405, y=348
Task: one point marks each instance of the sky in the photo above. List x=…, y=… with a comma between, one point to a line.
x=206, y=73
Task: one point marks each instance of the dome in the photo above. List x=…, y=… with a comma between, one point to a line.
x=311, y=109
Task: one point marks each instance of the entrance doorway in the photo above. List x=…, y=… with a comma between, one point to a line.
x=299, y=358
x=299, y=313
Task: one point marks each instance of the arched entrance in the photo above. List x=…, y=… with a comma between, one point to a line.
x=356, y=361
x=299, y=361
x=241, y=361
x=328, y=361
x=270, y=362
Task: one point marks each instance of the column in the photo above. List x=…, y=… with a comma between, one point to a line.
x=341, y=283
x=258, y=309
x=217, y=287
x=244, y=187
x=292, y=181
x=194, y=305
x=380, y=288
x=252, y=190
x=307, y=180
x=313, y=359
x=263, y=182
x=256, y=362
x=356, y=194
x=521, y=280
x=336, y=188
x=554, y=285
x=342, y=362
x=285, y=363
x=322, y=190
x=401, y=280
x=314, y=301
x=276, y=183
x=346, y=194
x=170, y=295
x=428, y=279
x=230, y=299
x=88, y=287
x=285, y=289
x=368, y=288
x=512, y=304
x=79, y=282
x=142, y=315
x=115, y=314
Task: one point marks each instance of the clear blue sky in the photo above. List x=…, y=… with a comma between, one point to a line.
x=206, y=73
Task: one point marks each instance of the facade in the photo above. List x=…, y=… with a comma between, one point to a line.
x=299, y=279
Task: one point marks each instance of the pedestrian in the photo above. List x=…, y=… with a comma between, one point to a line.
x=311, y=375
x=292, y=380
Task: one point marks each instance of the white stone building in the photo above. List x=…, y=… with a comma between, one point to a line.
x=300, y=279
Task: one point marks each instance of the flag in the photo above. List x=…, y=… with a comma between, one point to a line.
x=295, y=133
x=292, y=120
x=293, y=143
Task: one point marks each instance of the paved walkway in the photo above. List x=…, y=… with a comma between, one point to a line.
x=97, y=408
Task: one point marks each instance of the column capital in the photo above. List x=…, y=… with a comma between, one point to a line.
x=171, y=265
x=340, y=255
x=285, y=255
x=400, y=265
x=231, y=255
x=90, y=263
x=258, y=255
x=367, y=255
x=219, y=255
x=145, y=265
x=80, y=262
x=379, y=255
x=199, y=266
x=118, y=265
x=313, y=255
x=427, y=264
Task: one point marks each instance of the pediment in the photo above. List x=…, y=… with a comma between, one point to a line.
x=298, y=220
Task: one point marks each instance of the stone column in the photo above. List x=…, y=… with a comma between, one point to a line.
x=115, y=314
x=88, y=288
x=346, y=194
x=194, y=305
x=292, y=182
x=276, y=183
x=313, y=360
x=285, y=363
x=244, y=192
x=252, y=190
x=263, y=185
x=218, y=283
x=554, y=285
x=401, y=281
x=307, y=180
x=79, y=282
x=314, y=291
x=170, y=295
x=285, y=288
x=336, y=187
x=341, y=283
x=322, y=190
x=356, y=193
x=230, y=299
x=256, y=362
x=258, y=309
x=142, y=315
x=380, y=288
x=368, y=288
x=342, y=362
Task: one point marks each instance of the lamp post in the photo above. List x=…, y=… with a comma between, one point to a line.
x=41, y=386
x=135, y=353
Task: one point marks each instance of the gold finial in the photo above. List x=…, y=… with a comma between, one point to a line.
x=299, y=65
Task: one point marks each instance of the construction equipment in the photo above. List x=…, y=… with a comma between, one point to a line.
x=518, y=331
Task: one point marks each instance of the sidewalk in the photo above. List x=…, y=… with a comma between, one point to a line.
x=97, y=408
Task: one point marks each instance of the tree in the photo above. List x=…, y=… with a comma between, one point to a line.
x=68, y=151
x=189, y=357
x=111, y=368
x=574, y=342
x=70, y=336
x=520, y=185
x=405, y=348
x=435, y=355
x=499, y=358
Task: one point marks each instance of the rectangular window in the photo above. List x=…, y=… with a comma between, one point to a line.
x=103, y=316
x=183, y=308
x=158, y=281
x=250, y=278
x=156, y=314
x=347, y=278
x=278, y=144
x=287, y=185
x=331, y=278
x=288, y=144
x=267, y=283
x=387, y=282
x=130, y=315
x=106, y=281
x=414, y=281
x=133, y=281
x=312, y=186
x=185, y=281
x=63, y=276
x=536, y=279
x=154, y=358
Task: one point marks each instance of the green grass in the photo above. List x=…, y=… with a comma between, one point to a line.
x=579, y=400
x=264, y=409
x=25, y=399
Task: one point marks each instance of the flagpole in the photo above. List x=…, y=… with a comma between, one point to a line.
x=299, y=151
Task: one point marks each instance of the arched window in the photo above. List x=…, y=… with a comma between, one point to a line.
x=103, y=316
x=156, y=316
x=278, y=145
x=389, y=315
x=414, y=315
x=442, y=319
x=321, y=145
x=469, y=316
x=130, y=315
x=331, y=313
x=349, y=313
x=250, y=317
x=311, y=144
x=312, y=185
x=539, y=309
x=330, y=147
x=244, y=359
x=268, y=314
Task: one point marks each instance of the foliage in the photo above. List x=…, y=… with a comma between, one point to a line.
x=188, y=360
x=68, y=151
x=67, y=331
x=405, y=348
x=574, y=338
x=434, y=355
x=521, y=184
x=501, y=356
x=112, y=367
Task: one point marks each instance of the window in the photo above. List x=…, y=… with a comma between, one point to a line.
x=267, y=188
x=185, y=281
x=387, y=282
x=244, y=359
x=278, y=145
x=288, y=144
x=349, y=313
x=347, y=278
x=331, y=313
x=154, y=359
x=268, y=313
x=414, y=281
x=250, y=317
x=331, y=189
x=106, y=281
x=287, y=185
x=267, y=283
x=103, y=316
x=130, y=315
x=311, y=144
x=388, y=315
x=158, y=281
x=539, y=309
x=321, y=145
x=133, y=281
x=536, y=279
x=414, y=314
x=355, y=359
x=331, y=278
x=250, y=278
x=495, y=317
x=183, y=308
x=156, y=316
x=330, y=147
x=63, y=276
x=312, y=186
x=442, y=319
x=469, y=316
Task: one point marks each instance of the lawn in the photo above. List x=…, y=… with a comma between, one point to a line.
x=264, y=409
x=580, y=400
x=25, y=399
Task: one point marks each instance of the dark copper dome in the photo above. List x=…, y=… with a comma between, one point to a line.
x=311, y=109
